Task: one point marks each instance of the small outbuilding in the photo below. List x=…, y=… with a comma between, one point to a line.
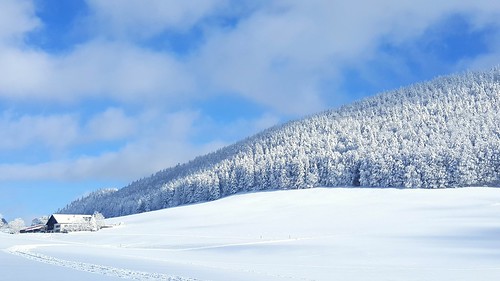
x=70, y=223
x=39, y=228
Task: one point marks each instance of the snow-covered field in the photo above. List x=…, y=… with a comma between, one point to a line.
x=315, y=234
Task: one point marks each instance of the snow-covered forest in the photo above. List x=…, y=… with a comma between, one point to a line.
x=443, y=133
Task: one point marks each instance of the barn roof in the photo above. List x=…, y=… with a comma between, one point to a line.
x=66, y=218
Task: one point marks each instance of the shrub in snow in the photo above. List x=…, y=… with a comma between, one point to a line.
x=98, y=220
x=16, y=225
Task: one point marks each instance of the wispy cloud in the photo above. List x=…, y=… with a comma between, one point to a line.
x=54, y=131
x=119, y=71
x=16, y=18
x=112, y=124
x=136, y=19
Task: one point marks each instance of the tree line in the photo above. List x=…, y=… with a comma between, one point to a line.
x=439, y=134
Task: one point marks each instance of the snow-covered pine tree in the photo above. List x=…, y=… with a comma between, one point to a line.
x=16, y=225
x=442, y=133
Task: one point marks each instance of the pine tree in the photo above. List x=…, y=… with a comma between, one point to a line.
x=443, y=133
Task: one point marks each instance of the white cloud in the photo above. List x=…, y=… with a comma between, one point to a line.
x=278, y=55
x=484, y=61
x=24, y=73
x=16, y=18
x=122, y=72
x=112, y=124
x=160, y=140
x=53, y=131
x=163, y=140
x=65, y=131
x=144, y=18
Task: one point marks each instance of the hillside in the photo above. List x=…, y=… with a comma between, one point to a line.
x=320, y=234
x=442, y=133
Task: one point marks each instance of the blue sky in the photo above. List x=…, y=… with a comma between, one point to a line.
x=95, y=94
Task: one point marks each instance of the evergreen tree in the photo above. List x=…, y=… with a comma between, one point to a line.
x=443, y=133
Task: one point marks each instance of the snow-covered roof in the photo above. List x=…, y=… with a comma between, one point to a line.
x=66, y=218
x=33, y=227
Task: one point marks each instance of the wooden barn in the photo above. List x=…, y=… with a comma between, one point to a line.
x=70, y=223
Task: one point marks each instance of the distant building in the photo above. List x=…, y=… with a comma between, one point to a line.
x=70, y=223
x=34, y=229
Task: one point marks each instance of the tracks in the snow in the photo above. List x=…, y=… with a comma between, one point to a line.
x=25, y=251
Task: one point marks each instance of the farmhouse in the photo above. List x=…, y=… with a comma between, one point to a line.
x=69, y=223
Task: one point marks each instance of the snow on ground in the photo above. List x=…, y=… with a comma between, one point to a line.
x=314, y=234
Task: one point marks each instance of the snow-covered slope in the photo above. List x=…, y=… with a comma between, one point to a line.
x=312, y=234
x=443, y=133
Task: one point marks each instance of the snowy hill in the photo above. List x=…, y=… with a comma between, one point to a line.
x=443, y=133
x=317, y=234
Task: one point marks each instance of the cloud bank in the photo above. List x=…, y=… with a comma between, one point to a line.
x=122, y=100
